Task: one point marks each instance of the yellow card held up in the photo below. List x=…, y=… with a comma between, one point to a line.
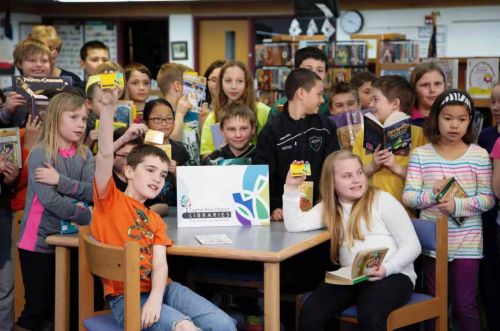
x=154, y=137
x=109, y=81
x=300, y=169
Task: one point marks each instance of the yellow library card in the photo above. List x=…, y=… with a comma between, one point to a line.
x=154, y=137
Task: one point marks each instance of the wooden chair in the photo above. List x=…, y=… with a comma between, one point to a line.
x=433, y=235
x=109, y=262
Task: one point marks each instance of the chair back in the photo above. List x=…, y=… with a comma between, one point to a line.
x=112, y=263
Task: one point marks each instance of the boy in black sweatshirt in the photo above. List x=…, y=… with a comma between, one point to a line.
x=297, y=133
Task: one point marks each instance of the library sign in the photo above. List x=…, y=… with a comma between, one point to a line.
x=234, y=195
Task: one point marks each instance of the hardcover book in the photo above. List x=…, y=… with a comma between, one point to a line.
x=394, y=134
x=364, y=262
x=348, y=125
x=452, y=189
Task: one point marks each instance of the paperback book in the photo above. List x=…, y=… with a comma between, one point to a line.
x=481, y=76
x=348, y=125
x=10, y=147
x=194, y=89
x=365, y=261
x=452, y=189
x=394, y=134
x=34, y=88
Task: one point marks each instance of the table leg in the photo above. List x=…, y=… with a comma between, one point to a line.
x=61, y=322
x=271, y=296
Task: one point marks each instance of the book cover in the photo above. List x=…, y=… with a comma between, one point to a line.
x=33, y=89
x=10, y=147
x=194, y=89
x=348, y=125
x=364, y=262
x=341, y=75
x=452, y=189
x=481, y=76
x=124, y=112
x=217, y=137
x=450, y=69
x=394, y=134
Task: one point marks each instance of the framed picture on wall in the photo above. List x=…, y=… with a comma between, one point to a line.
x=179, y=50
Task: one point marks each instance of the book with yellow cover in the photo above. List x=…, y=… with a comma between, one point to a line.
x=452, y=189
x=365, y=261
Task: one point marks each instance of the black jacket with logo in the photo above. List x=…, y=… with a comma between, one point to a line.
x=284, y=140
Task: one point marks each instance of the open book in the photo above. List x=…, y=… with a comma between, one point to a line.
x=348, y=124
x=452, y=189
x=365, y=261
x=394, y=134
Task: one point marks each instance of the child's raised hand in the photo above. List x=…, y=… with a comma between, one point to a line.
x=92, y=137
x=183, y=105
x=47, y=175
x=32, y=131
x=438, y=185
x=377, y=274
x=13, y=100
x=294, y=181
x=105, y=100
x=136, y=130
x=447, y=207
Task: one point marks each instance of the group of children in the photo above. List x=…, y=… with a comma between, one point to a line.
x=76, y=168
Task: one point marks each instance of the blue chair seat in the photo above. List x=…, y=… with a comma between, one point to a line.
x=102, y=322
x=415, y=298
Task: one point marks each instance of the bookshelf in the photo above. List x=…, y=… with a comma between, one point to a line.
x=347, y=58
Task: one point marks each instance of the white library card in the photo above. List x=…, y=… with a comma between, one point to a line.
x=207, y=239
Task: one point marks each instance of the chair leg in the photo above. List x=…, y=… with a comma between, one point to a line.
x=441, y=323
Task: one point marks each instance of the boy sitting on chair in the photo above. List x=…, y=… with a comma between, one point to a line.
x=119, y=217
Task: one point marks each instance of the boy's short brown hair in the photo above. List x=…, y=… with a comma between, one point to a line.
x=93, y=44
x=27, y=48
x=358, y=79
x=139, y=153
x=169, y=73
x=392, y=87
x=342, y=88
x=233, y=110
x=300, y=78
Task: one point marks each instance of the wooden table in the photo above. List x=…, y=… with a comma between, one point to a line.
x=270, y=245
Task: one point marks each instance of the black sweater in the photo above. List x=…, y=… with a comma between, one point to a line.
x=284, y=140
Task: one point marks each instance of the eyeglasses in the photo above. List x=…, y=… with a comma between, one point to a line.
x=159, y=120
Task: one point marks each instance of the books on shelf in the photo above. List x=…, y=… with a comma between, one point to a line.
x=340, y=75
x=364, y=262
x=349, y=53
x=274, y=54
x=481, y=76
x=348, y=125
x=399, y=51
x=394, y=134
x=452, y=189
x=10, y=147
x=269, y=78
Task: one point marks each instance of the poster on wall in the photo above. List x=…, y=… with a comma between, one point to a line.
x=105, y=32
x=481, y=76
x=69, y=58
x=235, y=195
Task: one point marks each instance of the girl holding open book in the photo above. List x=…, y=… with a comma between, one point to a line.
x=358, y=217
x=451, y=154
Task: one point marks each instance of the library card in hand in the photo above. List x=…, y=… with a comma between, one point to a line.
x=394, y=134
x=365, y=261
x=452, y=189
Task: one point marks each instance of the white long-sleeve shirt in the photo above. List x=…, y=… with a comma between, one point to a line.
x=390, y=227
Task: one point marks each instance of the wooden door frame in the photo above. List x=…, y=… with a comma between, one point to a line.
x=250, y=42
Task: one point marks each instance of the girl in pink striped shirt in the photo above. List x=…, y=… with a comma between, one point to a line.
x=451, y=153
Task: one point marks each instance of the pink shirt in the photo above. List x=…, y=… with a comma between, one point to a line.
x=495, y=152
